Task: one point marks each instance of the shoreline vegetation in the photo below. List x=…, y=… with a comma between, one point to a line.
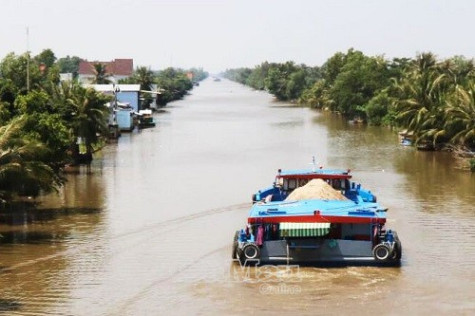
x=432, y=100
x=42, y=118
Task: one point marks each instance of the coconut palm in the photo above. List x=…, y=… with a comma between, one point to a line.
x=144, y=76
x=421, y=98
x=22, y=171
x=101, y=75
x=89, y=116
x=460, y=116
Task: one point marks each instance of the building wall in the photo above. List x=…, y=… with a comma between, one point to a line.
x=124, y=120
x=86, y=79
x=131, y=97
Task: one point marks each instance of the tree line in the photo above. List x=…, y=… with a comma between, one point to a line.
x=434, y=100
x=42, y=118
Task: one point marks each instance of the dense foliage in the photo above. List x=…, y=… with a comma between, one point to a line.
x=69, y=64
x=434, y=100
x=43, y=120
x=170, y=84
x=286, y=81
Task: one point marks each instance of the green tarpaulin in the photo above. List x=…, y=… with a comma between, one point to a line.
x=304, y=229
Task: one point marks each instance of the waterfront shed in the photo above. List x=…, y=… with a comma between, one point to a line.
x=127, y=93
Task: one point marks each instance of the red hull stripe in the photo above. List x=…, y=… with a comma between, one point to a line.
x=315, y=219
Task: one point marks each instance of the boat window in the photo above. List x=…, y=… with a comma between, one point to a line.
x=302, y=182
x=286, y=184
x=336, y=184
x=292, y=184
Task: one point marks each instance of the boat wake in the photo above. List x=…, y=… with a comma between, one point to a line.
x=158, y=227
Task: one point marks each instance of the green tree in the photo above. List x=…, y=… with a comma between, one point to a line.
x=296, y=84
x=89, y=117
x=198, y=74
x=144, y=76
x=460, y=116
x=8, y=93
x=46, y=57
x=173, y=83
x=282, y=81
x=22, y=171
x=101, y=75
x=14, y=69
x=45, y=121
x=422, y=91
x=317, y=96
x=358, y=81
x=69, y=64
x=256, y=77
x=332, y=67
x=379, y=109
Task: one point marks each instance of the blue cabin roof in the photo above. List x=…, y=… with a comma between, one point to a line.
x=312, y=172
x=319, y=210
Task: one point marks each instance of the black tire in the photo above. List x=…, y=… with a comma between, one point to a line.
x=235, y=245
x=251, y=252
x=381, y=252
x=397, y=251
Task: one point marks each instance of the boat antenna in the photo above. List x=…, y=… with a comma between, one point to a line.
x=314, y=166
x=27, y=58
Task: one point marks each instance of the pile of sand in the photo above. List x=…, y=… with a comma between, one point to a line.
x=316, y=189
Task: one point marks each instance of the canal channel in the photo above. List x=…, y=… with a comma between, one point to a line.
x=149, y=230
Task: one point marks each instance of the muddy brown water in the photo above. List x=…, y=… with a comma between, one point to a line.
x=149, y=231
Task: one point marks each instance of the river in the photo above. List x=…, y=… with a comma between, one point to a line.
x=149, y=230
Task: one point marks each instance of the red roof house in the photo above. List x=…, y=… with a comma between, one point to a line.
x=117, y=69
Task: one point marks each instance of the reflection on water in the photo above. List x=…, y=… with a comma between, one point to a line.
x=149, y=231
x=437, y=183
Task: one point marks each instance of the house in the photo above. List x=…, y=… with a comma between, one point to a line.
x=128, y=103
x=116, y=70
x=66, y=77
x=126, y=93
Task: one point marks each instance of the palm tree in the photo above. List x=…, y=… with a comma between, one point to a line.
x=144, y=76
x=460, y=116
x=422, y=93
x=101, y=74
x=22, y=171
x=89, y=119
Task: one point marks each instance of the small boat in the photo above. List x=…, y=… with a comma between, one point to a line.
x=406, y=138
x=319, y=217
x=145, y=119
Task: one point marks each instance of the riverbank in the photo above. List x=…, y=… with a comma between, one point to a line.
x=381, y=92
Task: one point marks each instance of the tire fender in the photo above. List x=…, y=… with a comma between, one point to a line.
x=382, y=252
x=251, y=252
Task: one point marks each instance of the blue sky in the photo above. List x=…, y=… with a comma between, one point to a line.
x=224, y=34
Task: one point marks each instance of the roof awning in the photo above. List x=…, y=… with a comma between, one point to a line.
x=304, y=229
